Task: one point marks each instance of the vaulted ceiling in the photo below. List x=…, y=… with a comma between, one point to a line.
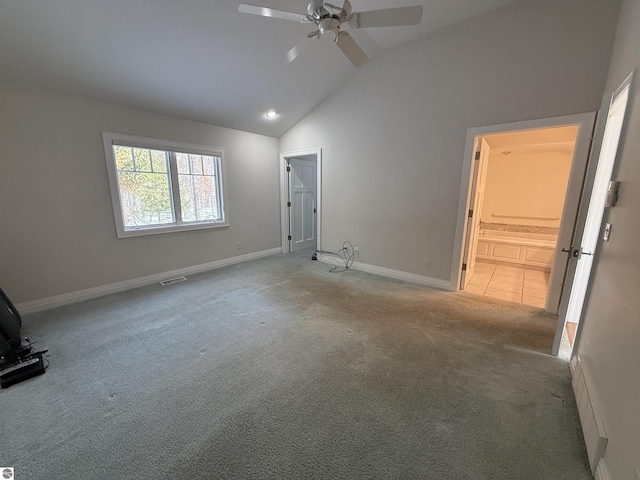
x=197, y=59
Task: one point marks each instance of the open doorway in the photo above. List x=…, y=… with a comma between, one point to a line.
x=519, y=189
x=584, y=206
x=300, y=193
x=468, y=226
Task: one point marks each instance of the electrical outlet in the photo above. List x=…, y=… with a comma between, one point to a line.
x=427, y=263
x=239, y=245
x=356, y=249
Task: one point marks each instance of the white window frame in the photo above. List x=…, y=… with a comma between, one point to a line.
x=109, y=139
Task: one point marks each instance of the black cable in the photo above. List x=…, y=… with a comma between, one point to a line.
x=343, y=254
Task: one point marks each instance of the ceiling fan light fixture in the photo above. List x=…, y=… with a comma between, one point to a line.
x=329, y=26
x=271, y=113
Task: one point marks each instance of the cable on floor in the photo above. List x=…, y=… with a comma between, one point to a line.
x=346, y=253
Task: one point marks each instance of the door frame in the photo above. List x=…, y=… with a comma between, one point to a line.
x=585, y=121
x=479, y=171
x=595, y=164
x=284, y=195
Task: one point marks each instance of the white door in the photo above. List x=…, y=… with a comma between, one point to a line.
x=569, y=220
x=302, y=207
x=479, y=179
x=584, y=246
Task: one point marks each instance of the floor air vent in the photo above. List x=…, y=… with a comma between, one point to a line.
x=595, y=436
x=171, y=281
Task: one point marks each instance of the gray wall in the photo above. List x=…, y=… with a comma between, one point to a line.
x=57, y=231
x=393, y=136
x=610, y=336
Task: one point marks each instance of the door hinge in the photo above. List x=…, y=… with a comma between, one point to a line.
x=288, y=168
x=289, y=237
x=288, y=204
x=470, y=213
x=478, y=155
x=464, y=267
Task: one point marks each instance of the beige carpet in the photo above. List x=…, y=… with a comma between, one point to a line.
x=279, y=369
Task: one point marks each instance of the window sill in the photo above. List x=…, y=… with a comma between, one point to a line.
x=138, y=232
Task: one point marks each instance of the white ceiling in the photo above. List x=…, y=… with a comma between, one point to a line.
x=197, y=59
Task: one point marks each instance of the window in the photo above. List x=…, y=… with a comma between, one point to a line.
x=159, y=186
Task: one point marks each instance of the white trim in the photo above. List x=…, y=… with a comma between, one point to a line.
x=589, y=222
x=284, y=156
x=573, y=363
x=593, y=425
x=109, y=139
x=585, y=120
x=95, y=292
x=602, y=473
x=626, y=85
x=390, y=273
x=159, y=144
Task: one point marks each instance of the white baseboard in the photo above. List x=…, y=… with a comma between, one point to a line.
x=593, y=428
x=573, y=363
x=601, y=471
x=95, y=292
x=391, y=273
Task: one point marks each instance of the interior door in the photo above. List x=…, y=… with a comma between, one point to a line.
x=585, y=242
x=480, y=164
x=578, y=182
x=302, y=208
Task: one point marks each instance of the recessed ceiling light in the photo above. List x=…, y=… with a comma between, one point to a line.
x=271, y=113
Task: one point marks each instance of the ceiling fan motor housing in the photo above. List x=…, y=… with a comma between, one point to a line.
x=329, y=26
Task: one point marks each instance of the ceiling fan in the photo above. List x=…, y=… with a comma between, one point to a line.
x=329, y=20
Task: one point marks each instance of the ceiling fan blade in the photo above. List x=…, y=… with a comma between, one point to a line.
x=388, y=17
x=292, y=54
x=352, y=50
x=271, y=12
x=366, y=42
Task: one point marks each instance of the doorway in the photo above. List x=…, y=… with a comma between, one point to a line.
x=518, y=194
x=550, y=255
x=300, y=194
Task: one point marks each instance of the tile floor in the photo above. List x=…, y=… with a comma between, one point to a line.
x=510, y=283
x=571, y=328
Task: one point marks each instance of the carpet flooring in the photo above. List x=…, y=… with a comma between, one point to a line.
x=278, y=369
